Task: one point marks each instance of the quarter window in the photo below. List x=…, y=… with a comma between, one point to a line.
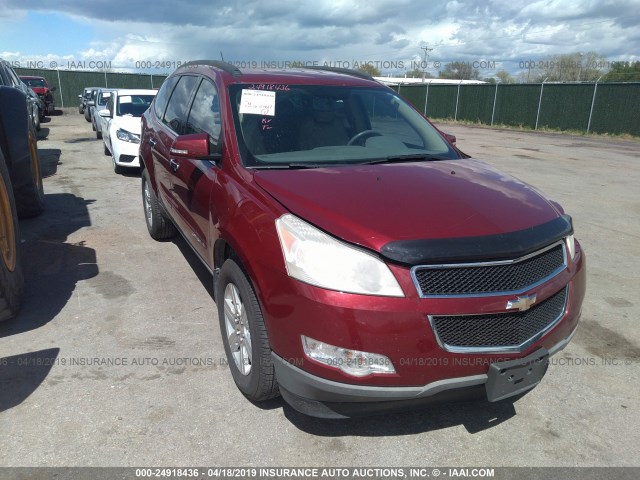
x=176, y=113
x=163, y=96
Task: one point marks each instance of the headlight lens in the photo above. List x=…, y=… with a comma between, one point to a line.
x=571, y=246
x=127, y=136
x=351, y=362
x=314, y=257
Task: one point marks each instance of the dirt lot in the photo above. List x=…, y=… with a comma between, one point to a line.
x=116, y=358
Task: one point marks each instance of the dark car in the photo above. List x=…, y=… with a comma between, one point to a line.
x=37, y=108
x=9, y=78
x=85, y=97
x=361, y=262
x=41, y=87
x=90, y=104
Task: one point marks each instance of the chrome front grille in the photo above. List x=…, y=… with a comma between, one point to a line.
x=499, y=332
x=490, y=278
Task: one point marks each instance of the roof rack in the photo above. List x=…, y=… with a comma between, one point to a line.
x=227, y=67
x=346, y=71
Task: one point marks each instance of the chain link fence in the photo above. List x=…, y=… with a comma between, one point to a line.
x=589, y=107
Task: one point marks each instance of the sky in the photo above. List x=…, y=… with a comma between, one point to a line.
x=156, y=37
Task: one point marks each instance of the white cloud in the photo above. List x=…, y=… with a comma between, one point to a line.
x=465, y=30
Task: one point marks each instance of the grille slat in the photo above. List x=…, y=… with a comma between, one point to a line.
x=499, y=330
x=487, y=279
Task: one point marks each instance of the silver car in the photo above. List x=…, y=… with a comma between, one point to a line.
x=102, y=97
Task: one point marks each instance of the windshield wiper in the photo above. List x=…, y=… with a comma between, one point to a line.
x=412, y=157
x=302, y=165
x=293, y=166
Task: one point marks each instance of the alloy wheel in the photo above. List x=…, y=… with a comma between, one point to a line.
x=237, y=329
x=148, y=211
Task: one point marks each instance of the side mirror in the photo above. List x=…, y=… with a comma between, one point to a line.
x=104, y=113
x=53, y=89
x=195, y=145
x=450, y=138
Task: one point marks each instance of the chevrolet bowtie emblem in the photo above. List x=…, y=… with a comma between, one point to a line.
x=522, y=303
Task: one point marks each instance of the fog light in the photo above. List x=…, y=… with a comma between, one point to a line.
x=351, y=362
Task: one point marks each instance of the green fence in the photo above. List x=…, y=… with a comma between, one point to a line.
x=602, y=108
x=70, y=83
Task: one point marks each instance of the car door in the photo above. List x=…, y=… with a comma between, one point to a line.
x=156, y=141
x=168, y=128
x=194, y=177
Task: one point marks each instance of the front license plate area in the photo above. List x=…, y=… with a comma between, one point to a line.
x=506, y=379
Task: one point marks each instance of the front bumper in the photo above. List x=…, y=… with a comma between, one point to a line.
x=126, y=154
x=319, y=397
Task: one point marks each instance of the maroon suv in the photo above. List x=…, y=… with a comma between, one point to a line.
x=360, y=260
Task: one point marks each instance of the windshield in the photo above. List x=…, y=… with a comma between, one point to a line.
x=35, y=82
x=133, y=105
x=306, y=126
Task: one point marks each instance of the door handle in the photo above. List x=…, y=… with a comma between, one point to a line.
x=152, y=141
x=174, y=165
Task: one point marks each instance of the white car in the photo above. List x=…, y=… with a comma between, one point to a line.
x=121, y=126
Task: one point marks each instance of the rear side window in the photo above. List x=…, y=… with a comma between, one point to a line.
x=205, y=113
x=176, y=113
x=163, y=96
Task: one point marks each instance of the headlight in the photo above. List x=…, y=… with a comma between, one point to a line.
x=351, y=362
x=571, y=246
x=127, y=136
x=314, y=257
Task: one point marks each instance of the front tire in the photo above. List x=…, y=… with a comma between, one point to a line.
x=244, y=334
x=158, y=225
x=11, y=277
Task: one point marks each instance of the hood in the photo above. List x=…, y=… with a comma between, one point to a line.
x=40, y=90
x=131, y=124
x=372, y=205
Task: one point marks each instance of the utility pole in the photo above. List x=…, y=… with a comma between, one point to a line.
x=426, y=60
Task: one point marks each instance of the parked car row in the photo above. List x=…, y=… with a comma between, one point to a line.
x=115, y=117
